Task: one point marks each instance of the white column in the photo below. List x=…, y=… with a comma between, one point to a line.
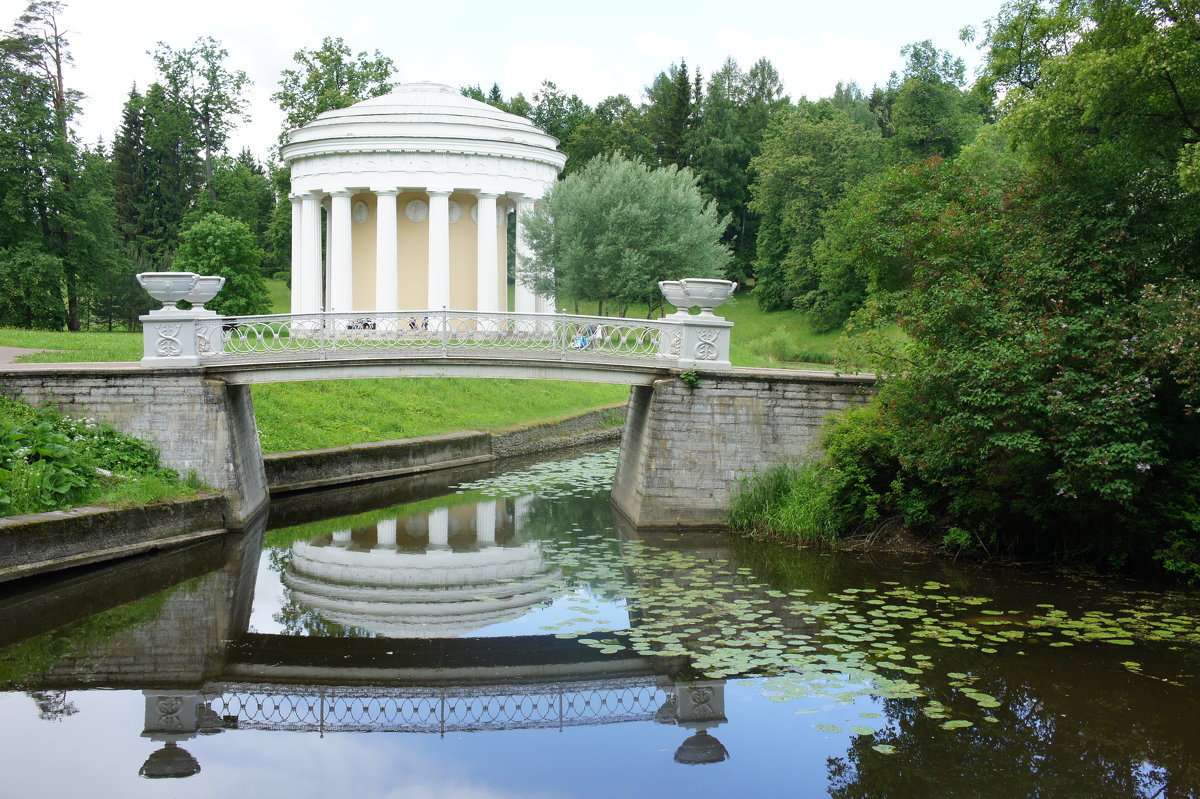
x=385, y=533
x=326, y=298
x=310, y=254
x=297, y=249
x=485, y=522
x=525, y=301
x=385, y=250
x=341, y=254
x=439, y=249
x=439, y=528
x=487, y=264
x=341, y=538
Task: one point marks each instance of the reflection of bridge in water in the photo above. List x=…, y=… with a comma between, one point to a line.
x=327, y=709
x=210, y=674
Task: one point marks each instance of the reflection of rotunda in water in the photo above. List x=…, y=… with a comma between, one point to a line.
x=445, y=573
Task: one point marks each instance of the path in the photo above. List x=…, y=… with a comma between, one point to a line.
x=10, y=354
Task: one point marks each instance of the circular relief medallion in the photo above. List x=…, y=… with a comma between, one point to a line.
x=475, y=212
x=455, y=211
x=361, y=212
x=416, y=211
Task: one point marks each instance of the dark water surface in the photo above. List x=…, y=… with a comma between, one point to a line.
x=483, y=635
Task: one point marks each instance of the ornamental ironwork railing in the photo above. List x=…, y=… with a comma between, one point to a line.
x=436, y=710
x=435, y=333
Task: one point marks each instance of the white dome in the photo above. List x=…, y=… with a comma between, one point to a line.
x=420, y=135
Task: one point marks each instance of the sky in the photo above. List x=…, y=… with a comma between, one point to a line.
x=591, y=49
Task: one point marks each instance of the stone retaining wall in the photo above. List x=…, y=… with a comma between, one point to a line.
x=197, y=424
x=684, y=449
x=41, y=542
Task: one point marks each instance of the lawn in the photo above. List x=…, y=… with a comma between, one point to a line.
x=294, y=416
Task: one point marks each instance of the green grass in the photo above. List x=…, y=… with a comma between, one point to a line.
x=293, y=416
x=65, y=347
x=281, y=296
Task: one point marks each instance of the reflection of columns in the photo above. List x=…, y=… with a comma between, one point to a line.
x=485, y=523
x=525, y=301
x=439, y=528
x=341, y=538
x=488, y=266
x=297, y=248
x=385, y=250
x=385, y=533
x=521, y=512
x=310, y=254
x=439, y=249
x=341, y=285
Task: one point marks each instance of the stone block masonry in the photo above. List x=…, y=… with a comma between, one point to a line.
x=684, y=450
x=197, y=423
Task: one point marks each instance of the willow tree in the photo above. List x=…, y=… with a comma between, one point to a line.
x=611, y=231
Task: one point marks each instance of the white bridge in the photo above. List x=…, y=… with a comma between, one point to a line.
x=280, y=347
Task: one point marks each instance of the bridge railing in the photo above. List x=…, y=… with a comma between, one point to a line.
x=432, y=333
x=175, y=338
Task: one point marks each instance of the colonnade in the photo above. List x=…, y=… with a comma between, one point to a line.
x=322, y=271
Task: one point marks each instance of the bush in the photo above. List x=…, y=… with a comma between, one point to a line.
x=850, y=490
x=796, y=502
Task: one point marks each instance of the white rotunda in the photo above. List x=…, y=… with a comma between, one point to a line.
x=415, y=188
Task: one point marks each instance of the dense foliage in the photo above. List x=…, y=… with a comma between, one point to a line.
x=1042, y=401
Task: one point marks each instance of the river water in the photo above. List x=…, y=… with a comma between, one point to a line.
x=481, y=635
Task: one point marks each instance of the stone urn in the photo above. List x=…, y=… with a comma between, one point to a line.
x=674, y=294
x=169, y=287
x=205, y=289
x=706, y=292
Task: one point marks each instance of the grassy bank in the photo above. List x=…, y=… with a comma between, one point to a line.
x=293, y=416
x=49, y=462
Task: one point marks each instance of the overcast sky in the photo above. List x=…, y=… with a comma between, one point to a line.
x=590, y=49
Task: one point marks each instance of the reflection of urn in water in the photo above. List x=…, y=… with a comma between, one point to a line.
x=171, y=717
x=696, y=705
x=446, y=573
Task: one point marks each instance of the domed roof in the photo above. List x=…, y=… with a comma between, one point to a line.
x=423, y=117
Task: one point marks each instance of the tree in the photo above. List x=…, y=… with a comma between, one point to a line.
x=927, y=112
x=196, y=79
x=556, y=113
x=671, y=115
x=809, y=159
x=722, y=160
x=1044, y=400
x=329, y=78
x=218, y=245
x=614, y=229
x=33, y=297
x=36, y=54
x=613, y=126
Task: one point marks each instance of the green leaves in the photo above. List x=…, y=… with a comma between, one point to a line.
x=614, y=229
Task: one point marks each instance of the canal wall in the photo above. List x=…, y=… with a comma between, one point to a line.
x=685, y=448
x=62, y=539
